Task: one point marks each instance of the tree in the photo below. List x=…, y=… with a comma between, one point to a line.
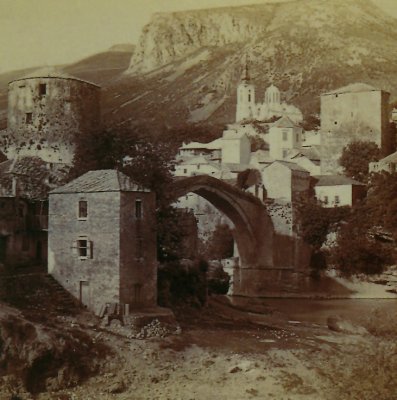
x=146, y=163
x=221, y=243
x=355, y=159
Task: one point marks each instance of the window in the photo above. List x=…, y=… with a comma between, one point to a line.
x=285, y=134
x=285, y=152
x=185, y=171
x=336, y=122
x=297, y=137
x=337, y=200
x=198, y=166
x=42, y=89
x=138, y=209
x=28, y=118
x=83, y=209
x=83, y=248
x=325, y=199
x=249, y=98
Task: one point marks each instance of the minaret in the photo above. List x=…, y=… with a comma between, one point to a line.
x=245, y=96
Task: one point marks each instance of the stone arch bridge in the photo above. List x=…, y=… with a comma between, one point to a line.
x=271, y=264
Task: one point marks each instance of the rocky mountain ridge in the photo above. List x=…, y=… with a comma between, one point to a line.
x=187, y=65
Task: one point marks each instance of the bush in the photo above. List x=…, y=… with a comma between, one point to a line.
x=357, y=254
x=182, y=283
x=218, y=281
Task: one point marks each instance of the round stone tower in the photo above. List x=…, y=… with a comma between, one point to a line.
x=46, y=110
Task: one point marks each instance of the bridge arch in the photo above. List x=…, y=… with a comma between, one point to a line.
x=253, y=226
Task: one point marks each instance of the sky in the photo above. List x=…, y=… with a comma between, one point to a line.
x=52, y=32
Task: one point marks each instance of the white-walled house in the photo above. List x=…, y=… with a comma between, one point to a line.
x=198, y=166
x=284, y=136
x=308, y=159
x=387, y=164
x=236, y=147
x=211, y=150
x=338, y=190
x=286, y=181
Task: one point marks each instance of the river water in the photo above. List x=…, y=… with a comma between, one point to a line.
x=317, y=311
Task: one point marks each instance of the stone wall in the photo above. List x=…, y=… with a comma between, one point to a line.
x=45, y=114
x=138, y=246
x=98, y=275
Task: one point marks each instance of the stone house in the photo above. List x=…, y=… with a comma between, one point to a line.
x=286, y=181
x=338, y=190
x=24, y=184
x=354, y=112
x=284, y=136
x=102, y=240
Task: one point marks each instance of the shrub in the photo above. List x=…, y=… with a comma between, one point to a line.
x=182, y=283
x=218, y=281
x=357, y=254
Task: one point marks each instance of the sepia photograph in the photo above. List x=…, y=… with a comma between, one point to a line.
x=198, y=199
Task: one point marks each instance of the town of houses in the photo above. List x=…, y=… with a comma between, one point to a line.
x=288, y=166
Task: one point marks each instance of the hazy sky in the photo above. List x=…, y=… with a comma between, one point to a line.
x=48, y=32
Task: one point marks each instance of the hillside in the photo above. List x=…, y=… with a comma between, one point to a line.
x=186, y=65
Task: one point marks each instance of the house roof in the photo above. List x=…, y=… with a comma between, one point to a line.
x=291, y=165
x=214, y=145
x=51, y=72
x=105, y=180
x=33, y=176
x=336, y=180
x=353, y=88
x=311, y=153
x=285, y=122
x=232, y=134
x=390, y=158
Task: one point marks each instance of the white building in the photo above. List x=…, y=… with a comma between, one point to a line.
x=387, y=164
x=198, y=166
x=236, y=147
x=286, y=181
x=249, y=109
x=338, y=190
x=284, y=136
x=307, y=158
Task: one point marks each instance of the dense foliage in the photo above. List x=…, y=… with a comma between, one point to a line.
x=220, y=245
x=182, y=283
x=148, y=164
x=355, y=159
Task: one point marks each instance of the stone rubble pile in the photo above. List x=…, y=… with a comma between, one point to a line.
x=154, y=329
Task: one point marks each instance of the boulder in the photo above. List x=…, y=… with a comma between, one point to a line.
x=338, y=324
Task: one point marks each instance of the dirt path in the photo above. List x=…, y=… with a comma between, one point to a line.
x=224, y=353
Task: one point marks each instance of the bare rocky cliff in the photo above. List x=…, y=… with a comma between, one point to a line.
x=187, y=65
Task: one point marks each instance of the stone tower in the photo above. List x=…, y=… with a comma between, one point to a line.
x=46, y=110
x=245, y=97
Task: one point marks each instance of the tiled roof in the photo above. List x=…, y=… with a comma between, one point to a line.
x=353, y=88
x=232, y=134
x=214, y=145
x=33, y=177
x=291, y=165
x=390, y=158
x=336, y=180
x=284, y=122
x=51, y=72
x=106, y=180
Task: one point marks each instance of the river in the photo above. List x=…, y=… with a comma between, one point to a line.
x=317, y=311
